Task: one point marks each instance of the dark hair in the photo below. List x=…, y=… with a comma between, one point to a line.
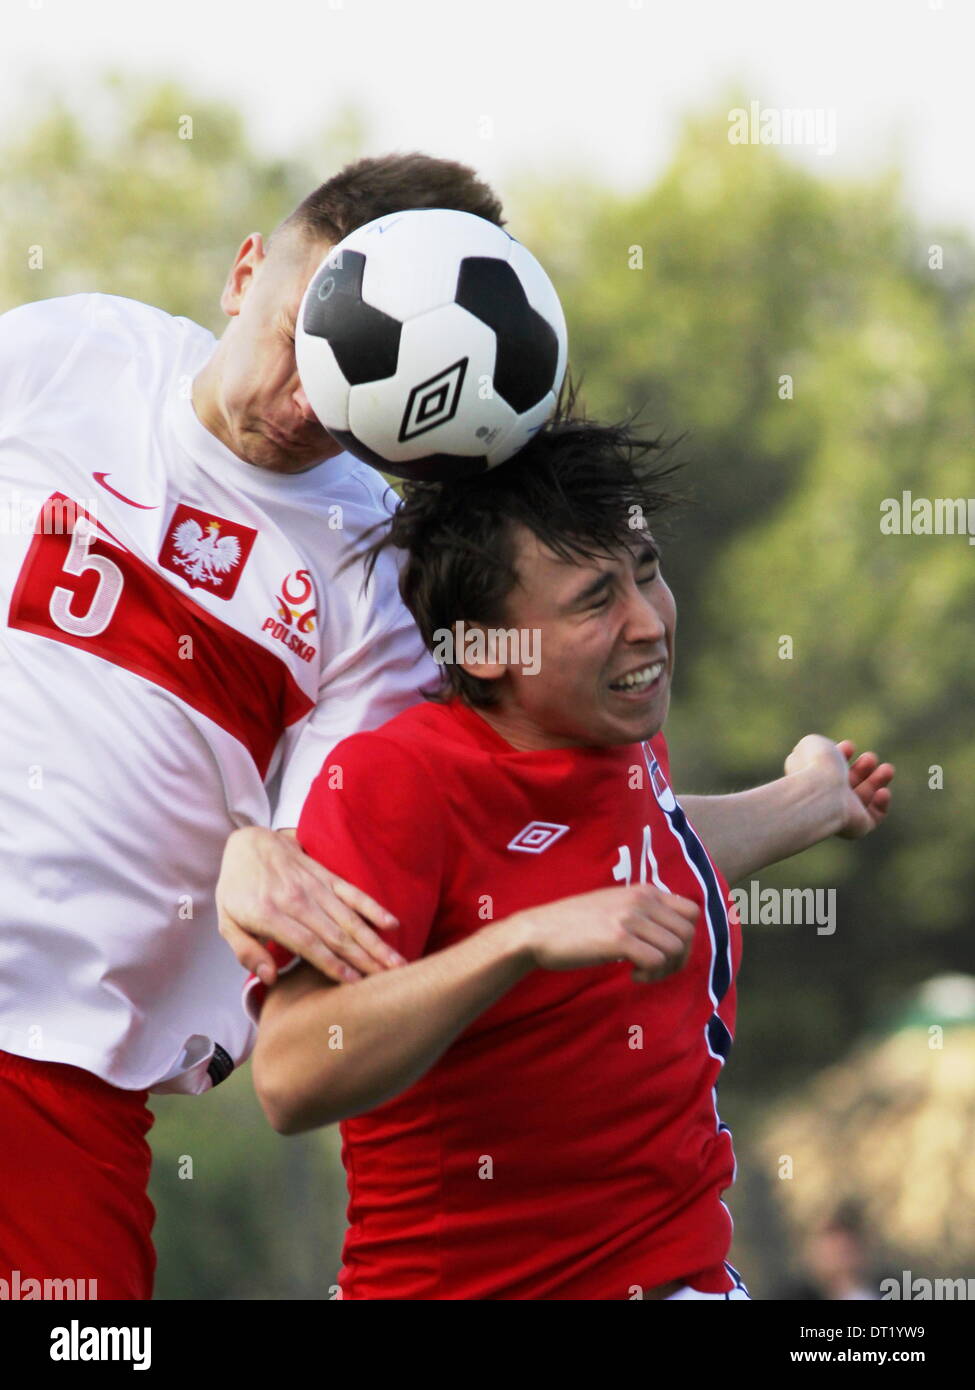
x=584, y=489
x=374, y=187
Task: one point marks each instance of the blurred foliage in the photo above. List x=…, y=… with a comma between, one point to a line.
x=243, y=1213
x=751, y=270
x=690, y=301
x=888, y=1131
x=147, y=193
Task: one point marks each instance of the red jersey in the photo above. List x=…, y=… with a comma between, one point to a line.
x=566, y=1145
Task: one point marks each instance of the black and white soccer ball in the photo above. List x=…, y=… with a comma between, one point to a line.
x=431, y=344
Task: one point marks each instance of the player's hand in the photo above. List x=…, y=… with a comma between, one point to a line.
x=862, y=785
x=269, y=889
x=652, y=930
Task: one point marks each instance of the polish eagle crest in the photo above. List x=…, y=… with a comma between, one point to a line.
x=204, y=555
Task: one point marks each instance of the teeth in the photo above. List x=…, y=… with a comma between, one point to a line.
x=636, y=680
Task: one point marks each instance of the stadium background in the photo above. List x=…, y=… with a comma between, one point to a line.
x=689, y=294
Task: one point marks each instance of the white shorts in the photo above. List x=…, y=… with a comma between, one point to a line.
x=739, y=1291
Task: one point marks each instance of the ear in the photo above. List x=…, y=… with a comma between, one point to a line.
x=477, y=652
x=249, y=258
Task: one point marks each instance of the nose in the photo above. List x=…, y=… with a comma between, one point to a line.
x=644, y=621
x=301, y=401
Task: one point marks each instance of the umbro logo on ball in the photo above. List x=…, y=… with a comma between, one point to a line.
x=396, y=301
x=433, y=402
x=537, y=836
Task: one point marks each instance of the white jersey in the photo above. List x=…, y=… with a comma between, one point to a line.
x=178, y=656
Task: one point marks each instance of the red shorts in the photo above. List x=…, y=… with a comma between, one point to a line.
x=74, y=1168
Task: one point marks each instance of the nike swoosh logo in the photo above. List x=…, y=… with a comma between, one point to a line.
x=143, y=506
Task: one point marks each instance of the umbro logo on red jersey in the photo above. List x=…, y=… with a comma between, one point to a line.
x=537, y=836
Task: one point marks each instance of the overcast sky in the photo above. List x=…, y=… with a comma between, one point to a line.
x=535, y=86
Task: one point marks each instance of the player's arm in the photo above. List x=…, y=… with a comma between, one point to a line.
x=326, y=1051
x=823, y=793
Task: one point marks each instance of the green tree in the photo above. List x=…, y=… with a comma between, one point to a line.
x=813, y=350
x=147, y=193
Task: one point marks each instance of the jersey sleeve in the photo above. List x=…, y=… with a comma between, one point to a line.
x=255, y=990
x=375, y=818
x=367, y=687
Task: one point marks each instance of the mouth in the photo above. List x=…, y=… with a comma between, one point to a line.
x=287, y=441
x=642, y=680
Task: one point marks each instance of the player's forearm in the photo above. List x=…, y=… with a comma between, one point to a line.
x=339, y=1051
x=746, y=831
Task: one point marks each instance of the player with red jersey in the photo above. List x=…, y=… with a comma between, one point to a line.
x=529, y=1105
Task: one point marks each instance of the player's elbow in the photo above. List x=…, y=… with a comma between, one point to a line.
x=281, y=1097
x=275, y=1101
x=286, y=1112
x=281, y=1114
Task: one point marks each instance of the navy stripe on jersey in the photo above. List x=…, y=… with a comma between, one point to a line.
x=719, y=1038
x=715, y=908
x=739, y=1281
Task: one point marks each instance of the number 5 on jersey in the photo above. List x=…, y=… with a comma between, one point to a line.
x=104, y=601
x=78, y=587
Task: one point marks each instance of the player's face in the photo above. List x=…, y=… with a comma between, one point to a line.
x=249, y=394
x=598, y=622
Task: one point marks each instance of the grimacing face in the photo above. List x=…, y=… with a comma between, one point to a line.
x=248, y=394
x=598, y=622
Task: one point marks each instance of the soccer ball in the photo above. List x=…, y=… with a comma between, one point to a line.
x=431, y=344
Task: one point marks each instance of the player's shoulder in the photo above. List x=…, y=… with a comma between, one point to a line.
x=49, y=326
x=106, y=312
x=43, y=345
x=393, y=772
x=140, y=326
x=69, y=328
x=374, y=488
x=415, y=731
x=420, y=743
x=337, y=509
x=366, y=500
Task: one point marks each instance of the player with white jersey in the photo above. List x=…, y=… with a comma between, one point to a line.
x=180, y=649
x=528, y=1106
x=199, y=651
